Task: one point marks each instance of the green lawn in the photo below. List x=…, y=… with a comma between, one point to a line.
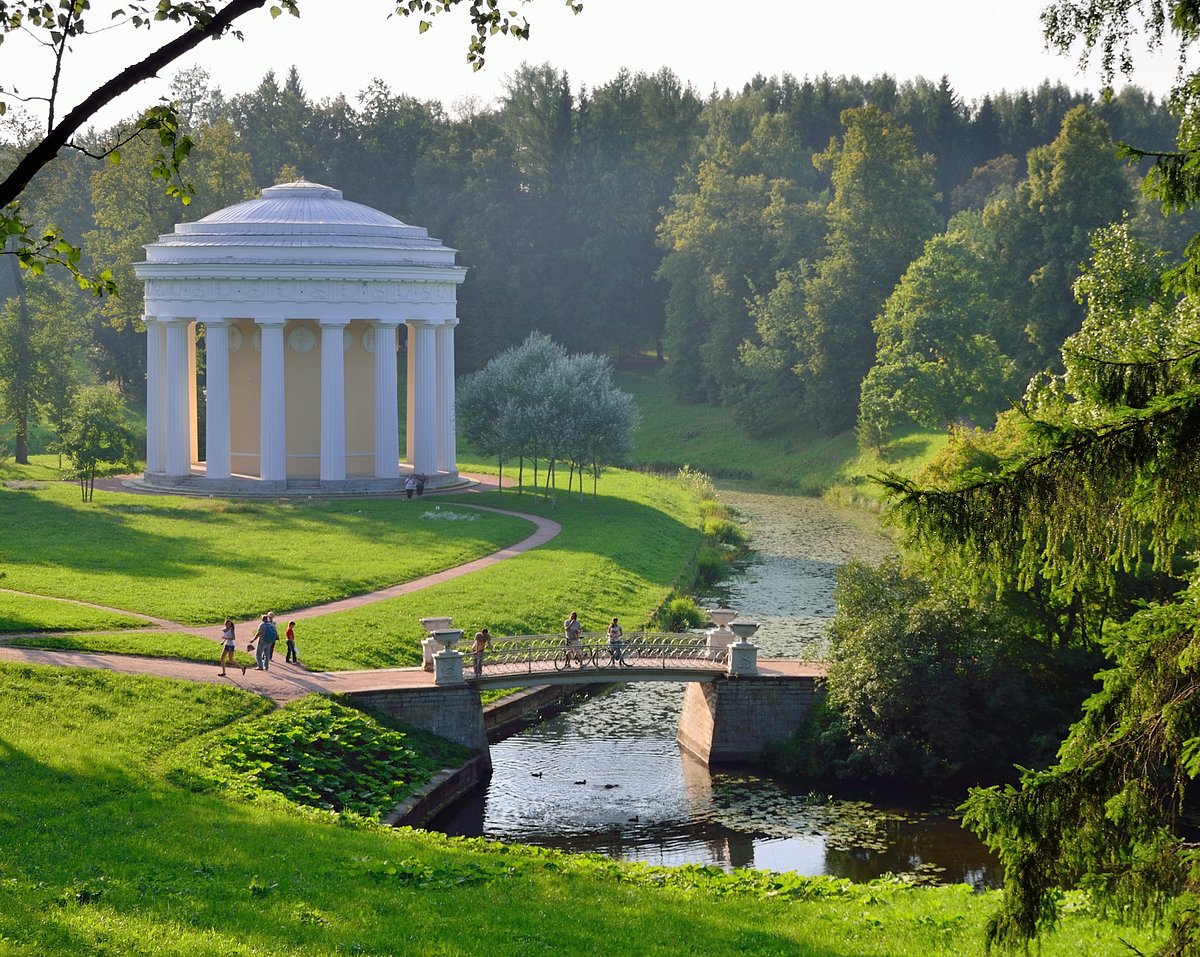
x=27, y=613
x=198, y=560
x=115, y=843
x=618, y=554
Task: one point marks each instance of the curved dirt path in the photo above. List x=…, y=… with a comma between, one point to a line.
x=286, y=681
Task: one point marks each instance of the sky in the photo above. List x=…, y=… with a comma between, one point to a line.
x=982, y=46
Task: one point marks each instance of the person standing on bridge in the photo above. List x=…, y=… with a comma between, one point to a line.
x=482, y=639
x=614, y=644
x=573, y=632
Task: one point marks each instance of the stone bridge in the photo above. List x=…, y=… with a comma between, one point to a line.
x=735, y=706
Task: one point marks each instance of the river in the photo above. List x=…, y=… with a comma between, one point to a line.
x=608, y=777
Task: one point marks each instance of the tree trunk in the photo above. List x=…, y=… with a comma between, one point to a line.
x=500, y=477
x=23, y=373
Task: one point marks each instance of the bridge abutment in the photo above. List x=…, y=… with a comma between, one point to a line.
x=454, y=713
x=736, y=719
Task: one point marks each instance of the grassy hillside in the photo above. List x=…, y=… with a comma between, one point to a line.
x=808, y=462
x=119, y=841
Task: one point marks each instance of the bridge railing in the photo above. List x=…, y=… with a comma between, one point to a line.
x=535, y=654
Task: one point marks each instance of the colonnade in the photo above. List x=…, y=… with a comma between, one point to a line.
x=171, y=414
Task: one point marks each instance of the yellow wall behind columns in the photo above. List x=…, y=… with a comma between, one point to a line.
x=302, y=397
x=193, y=401
x=360, y=401
x=244, y=404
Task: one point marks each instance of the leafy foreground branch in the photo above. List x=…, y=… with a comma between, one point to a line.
x=1087, y=503
x=1101, y=494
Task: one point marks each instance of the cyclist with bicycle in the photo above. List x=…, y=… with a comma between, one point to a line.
x=573, y=632
x=614, y=644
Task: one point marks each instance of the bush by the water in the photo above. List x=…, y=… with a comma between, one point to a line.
x=679, y=613
x=724, y=531
x=932, y=684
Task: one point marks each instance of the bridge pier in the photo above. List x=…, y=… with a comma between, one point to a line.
x=734, y=720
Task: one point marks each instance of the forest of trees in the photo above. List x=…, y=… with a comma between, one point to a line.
x=793, y=250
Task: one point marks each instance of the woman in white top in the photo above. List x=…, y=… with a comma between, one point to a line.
x=230, y=645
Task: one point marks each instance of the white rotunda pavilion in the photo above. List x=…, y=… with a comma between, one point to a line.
x=301, y=294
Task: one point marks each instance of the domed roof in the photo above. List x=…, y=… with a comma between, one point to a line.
x=305, y=218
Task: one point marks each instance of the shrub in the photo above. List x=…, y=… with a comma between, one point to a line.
x=711, y=565
x=724, y=532
x=326, y=755
x=679, y=613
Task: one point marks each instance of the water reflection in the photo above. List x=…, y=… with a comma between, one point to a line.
x=608, y=776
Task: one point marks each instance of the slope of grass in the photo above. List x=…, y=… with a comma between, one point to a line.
x=618, y=554
x=806, y=461
x=198, y=560
x=115, y=844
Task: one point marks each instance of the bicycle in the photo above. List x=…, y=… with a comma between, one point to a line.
x=564, y=657
x=606, y=656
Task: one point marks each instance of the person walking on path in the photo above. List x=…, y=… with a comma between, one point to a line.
x=482, y=639
x=266, y=636
x=228, y=646
x=410, y=484
x=420, y=485
x=573, y=632
x=290, y=636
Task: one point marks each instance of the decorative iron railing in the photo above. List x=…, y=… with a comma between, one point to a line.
x=549, y=654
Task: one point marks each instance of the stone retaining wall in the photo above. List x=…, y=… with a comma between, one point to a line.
x=452, y=713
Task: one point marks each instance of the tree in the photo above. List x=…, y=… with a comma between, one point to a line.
x=1106, y=483
x=39, y=340
x=55, y=28
x=937, y=360
x=895, y=631
x=535, y=400
x=96, y=433
x=881, y=215
x=1040, y=236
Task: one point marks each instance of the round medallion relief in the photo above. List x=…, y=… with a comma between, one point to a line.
x=235, y=338
x=302, y=339
x=368, y=340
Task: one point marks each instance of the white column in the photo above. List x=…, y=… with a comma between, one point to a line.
x=446, y=450
x=178, y=428
x=272, y=438
x=156, y=397
x=424, y=392
x=387, y=424
x=216, y=382
x=410, y=400
x=333, y=400
x=193, y=413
